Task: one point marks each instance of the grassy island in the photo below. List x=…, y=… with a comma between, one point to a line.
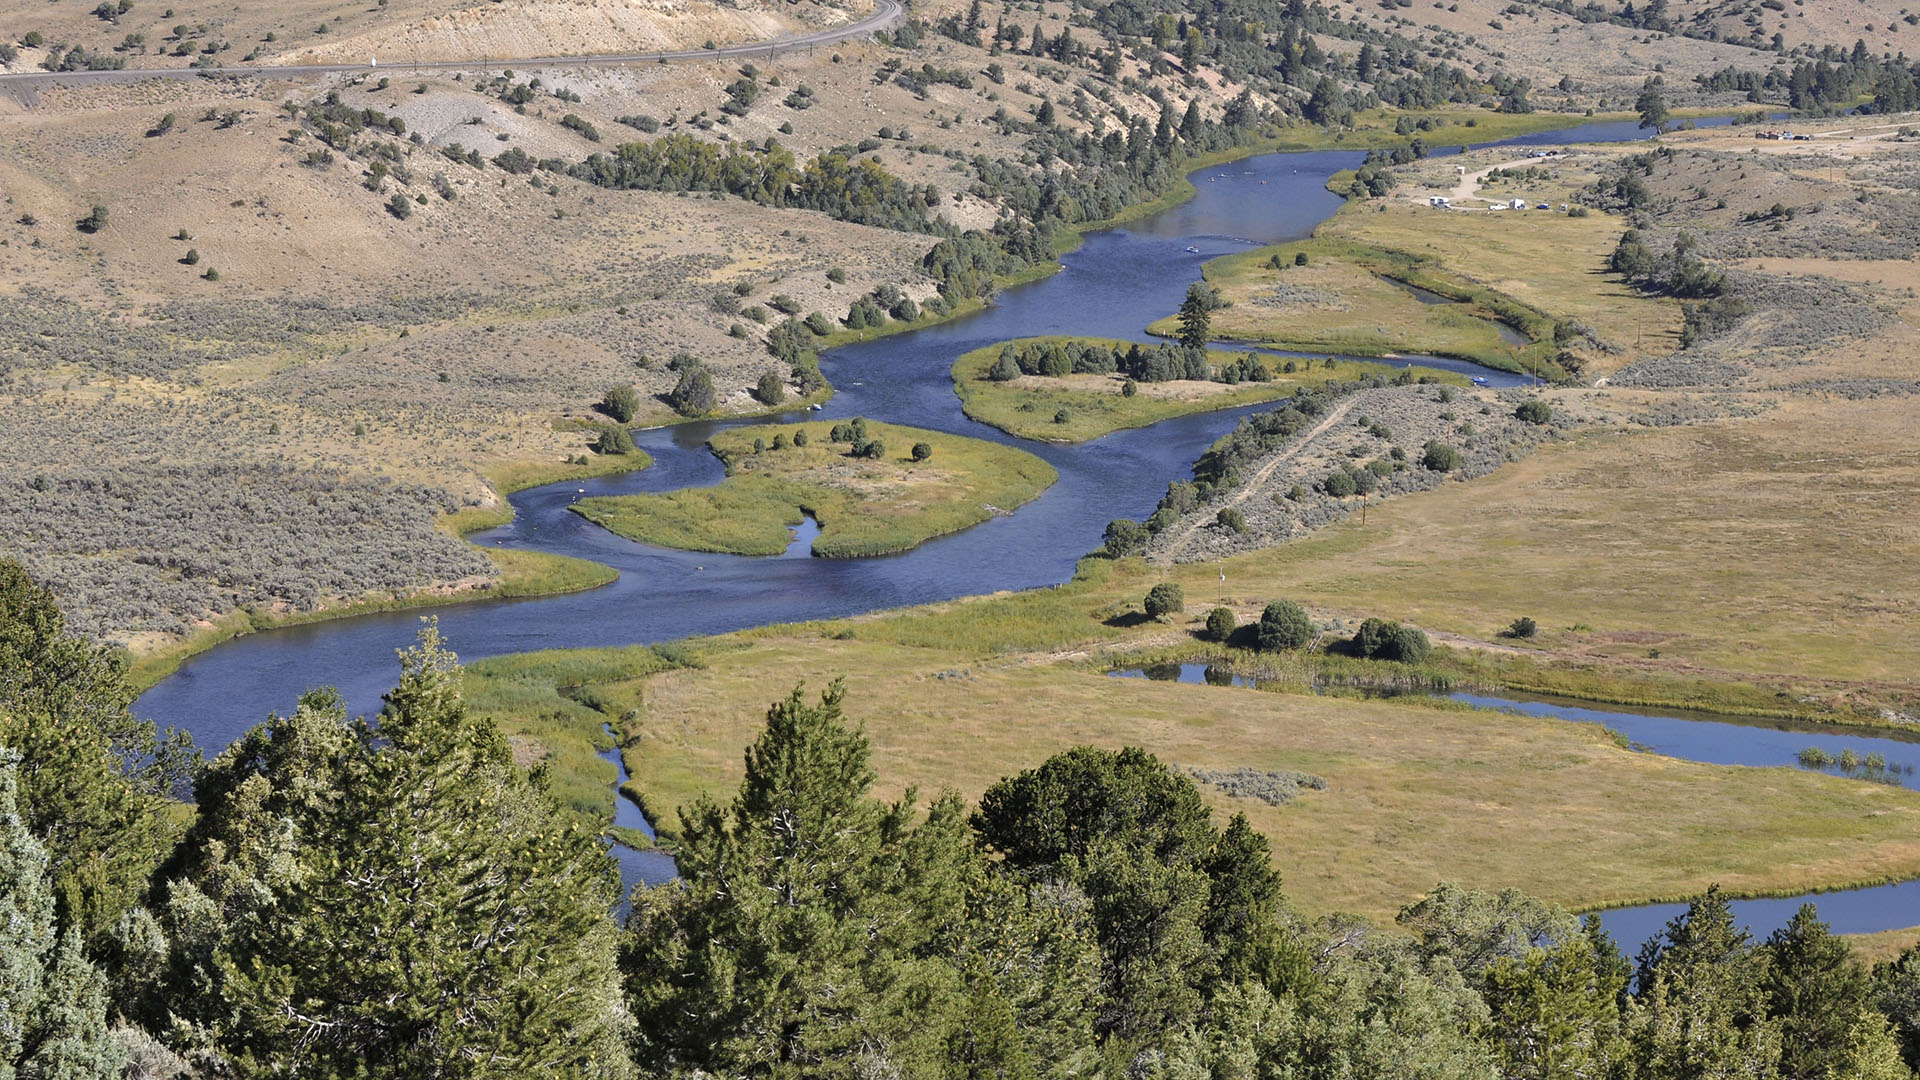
x=1076, y=407
x=876, y=489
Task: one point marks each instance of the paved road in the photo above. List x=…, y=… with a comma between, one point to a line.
x=886, y=15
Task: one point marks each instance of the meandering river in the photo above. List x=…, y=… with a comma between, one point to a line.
x=1115, y=283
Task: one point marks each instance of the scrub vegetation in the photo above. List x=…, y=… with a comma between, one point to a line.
x=868, y=484
x=1082, y=405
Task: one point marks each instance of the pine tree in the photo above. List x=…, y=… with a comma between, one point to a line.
x=1555, y=1013
x=1817, y=990
x=92, y=777
x=397, y=898
x=1196, y=317
x=53, y=1003
x=1701, y=1009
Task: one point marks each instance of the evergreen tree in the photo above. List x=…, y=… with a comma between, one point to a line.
x=1652, y=106
x=92, y=779
x=1196, y=316
x=1817, y=990
x=1555, y=1013
x=816, y=933
x=53, y=1002
x=1701, y=1006
x=395, y=899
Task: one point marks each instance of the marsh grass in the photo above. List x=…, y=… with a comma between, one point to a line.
x=1095, y=406
x=864, y=506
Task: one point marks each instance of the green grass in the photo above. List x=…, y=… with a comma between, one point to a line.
x=1366, y=313
x=864, y=507
x=1026, y=407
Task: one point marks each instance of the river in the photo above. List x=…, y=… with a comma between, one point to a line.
x=1110, y=287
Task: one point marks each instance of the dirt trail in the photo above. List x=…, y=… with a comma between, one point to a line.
x=1470, y=182
x=1259, y=479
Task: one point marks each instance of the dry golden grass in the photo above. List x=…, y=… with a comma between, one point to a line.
x=1415, y=794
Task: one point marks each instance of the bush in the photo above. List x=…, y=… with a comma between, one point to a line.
x=1522, y=627
x=621, y=403
x=819, y=324
x=1220, y=624
x=192, y=257
x=1381, y=639
x=872, y=449
x=95, y=220
x=1231, y=518
x=1004, y=369
x=1339, y=484
x=694, y=394
x=1440, y=457
x=1284, y=625
x=614, y=439
x=922, y=451
x=1534, y=411
x=400, y=206
x=1165, y=599
x=770, y=390
x=800, y=438
x=1123, y=537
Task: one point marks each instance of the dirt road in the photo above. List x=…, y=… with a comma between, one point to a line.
x=886, y=15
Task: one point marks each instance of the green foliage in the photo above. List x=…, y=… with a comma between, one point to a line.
x=1817, y=991
x=1701, y=1005
x=1123, y=536
x=1165, y=599
x=95, y=220
x=1178, y=907
x=922, y=451
x=53, y=1005
x=1534, y=411
x=94, y=795
x=1220, y=624
x=1284, y=626
x=1231, y=519
x=816, y=924
x=400, y=206
x=770, y=390
x=613, y=439
x=1439, y=456
x=621, y=402
x=694, y=394
x=1522, y=627
x=1380, y=639
x=342, y=876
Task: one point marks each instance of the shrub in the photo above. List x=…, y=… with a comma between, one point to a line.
x=819, y=324
x=1522, y=627
x=1165, y=599
x=1299, y=258
x=192, y=256
x=780, y=441
x=1231, y=518
x=1410, y=646
x=1284, y=625
x=1373, y=638
x=95, y=220
x=922, y=451
x=1062, y=416
x=770, y=390
x=1534, y=411
x=800, y=438
x=1220, y=624
x=1339, y=484
x=1123, y=536
x=1129, y=388
x=1440, y=457
x=400, y=206
x=694, y=394
x=837, y=276
x=621, y=403
x=1004, y=369
x=872, y=449
x=211, y=274
x=613, y=439
x=1381, y=639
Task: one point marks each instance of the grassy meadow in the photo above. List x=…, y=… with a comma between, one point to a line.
x=864, y=506
x=1415, y=793
x=1030, y=405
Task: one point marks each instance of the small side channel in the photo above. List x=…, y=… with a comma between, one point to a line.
x=1427, y=296
x=636, y=867
x=1716, y=739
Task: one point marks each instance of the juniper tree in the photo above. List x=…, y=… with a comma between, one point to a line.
x=395, y=897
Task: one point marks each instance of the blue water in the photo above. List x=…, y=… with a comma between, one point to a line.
x=636, y=867
x=1197, y=674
